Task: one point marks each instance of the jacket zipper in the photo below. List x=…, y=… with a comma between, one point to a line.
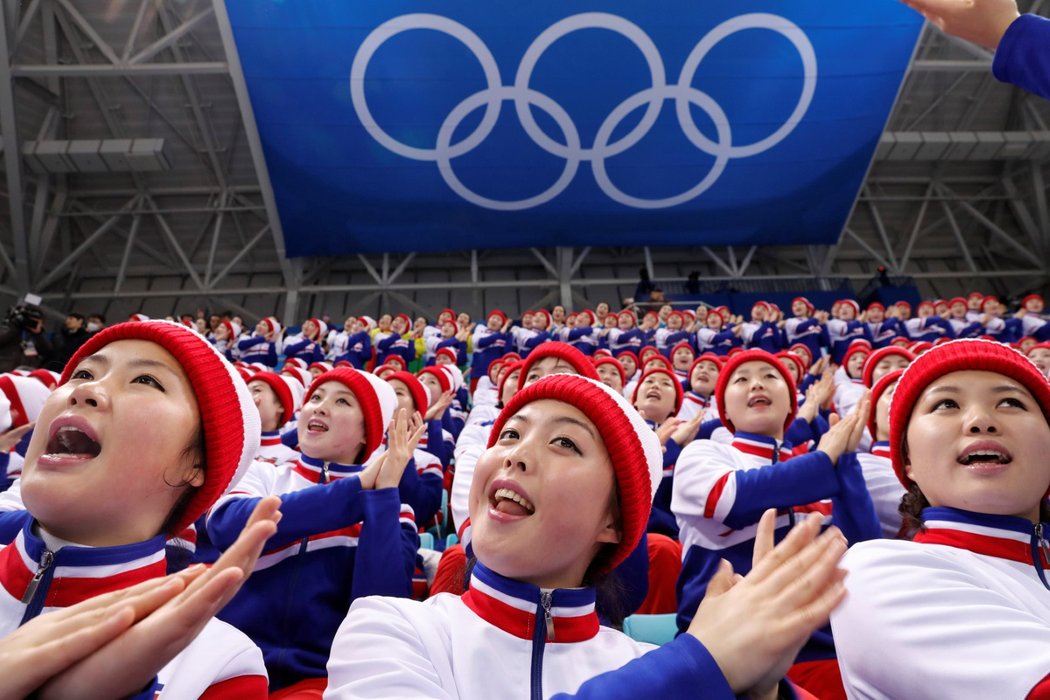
x=542, y=633
x=1040, y=550
x=47, y=558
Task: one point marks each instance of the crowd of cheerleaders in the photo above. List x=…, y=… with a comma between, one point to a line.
x=679, y=335
x=711, y=479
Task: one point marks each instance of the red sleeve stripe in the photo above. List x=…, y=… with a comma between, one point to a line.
x=716, y=493
x=237, y=688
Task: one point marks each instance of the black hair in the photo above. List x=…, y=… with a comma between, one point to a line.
x=196, y=451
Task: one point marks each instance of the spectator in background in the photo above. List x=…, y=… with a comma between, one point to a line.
x=95, y=323
x=1021, y=42
x=645, y=285
x=67, y=341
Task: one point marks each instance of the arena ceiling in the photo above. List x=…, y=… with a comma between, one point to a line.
x=956, y=197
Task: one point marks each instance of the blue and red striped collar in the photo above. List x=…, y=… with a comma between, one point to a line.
x=314, y=469
x=696, y=398
x=78, y=573
x=881, y=449
x=1003, y=536
x=761, y=446
x=514, y=607
x=270, y=439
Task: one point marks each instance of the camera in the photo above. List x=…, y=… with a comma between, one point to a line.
x=26, y=313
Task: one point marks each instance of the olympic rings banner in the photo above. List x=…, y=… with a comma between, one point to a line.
x=455, y=124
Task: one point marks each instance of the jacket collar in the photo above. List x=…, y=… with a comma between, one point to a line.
x=515, y=607
x=761, y=446
x=696, y=398
x=881, y=449
x=77, y=573
x=270, y=439
x=319, y=471
x=1002, y=536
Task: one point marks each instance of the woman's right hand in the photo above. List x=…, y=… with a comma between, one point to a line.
x=754, y=626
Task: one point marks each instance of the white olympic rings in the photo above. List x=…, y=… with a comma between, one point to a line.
x=572, y=150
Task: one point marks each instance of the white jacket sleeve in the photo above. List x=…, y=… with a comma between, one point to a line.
x=919, y=623
x=471, y=444
x=379, y=653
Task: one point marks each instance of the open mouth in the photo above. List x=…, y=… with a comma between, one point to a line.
x=316, y=426
x=510, y=502
x=984, y=454
x=759, y=401
x=71, y=441
x=653, y=394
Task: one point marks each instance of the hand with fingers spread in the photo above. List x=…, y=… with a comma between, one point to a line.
x=981, y=21
x=112, y=645
x=403, y=437
x=755, y=626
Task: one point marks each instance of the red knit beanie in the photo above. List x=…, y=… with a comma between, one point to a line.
x=809, y=305
x=859, y=345
x=807, y=357
x=448, y=352
x=628, y=353
x=634, y=449
x=706, y=357
x=496, y=312
x=282, y=390
x=679, y=393
x=563, y=351
x=684, y=344
x=958, y=356
x=442, y=377
x=885, y=382
x=792, y=358
x=611, y=363
x=229, y=419
x=876, y=357
x=740, y=358
x=664, y=362
x=416, y=389
x=376, y=398
x=511, y=368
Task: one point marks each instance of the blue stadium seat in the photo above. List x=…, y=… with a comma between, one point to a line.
x=426, y=540
x=654, y=629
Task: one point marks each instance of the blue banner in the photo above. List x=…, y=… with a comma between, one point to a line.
x=455, y=124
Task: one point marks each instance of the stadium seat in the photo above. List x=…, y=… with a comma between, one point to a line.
x=653, y=629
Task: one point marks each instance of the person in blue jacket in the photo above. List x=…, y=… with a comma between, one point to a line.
x=345, y=531
x=528, y=619
x=721, y=491
x=1021, y=42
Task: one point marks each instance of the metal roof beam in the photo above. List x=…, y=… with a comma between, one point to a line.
x=103, y=70
x=13, y=163
x=292, y=272
x=934, y=65
x=172, y=36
